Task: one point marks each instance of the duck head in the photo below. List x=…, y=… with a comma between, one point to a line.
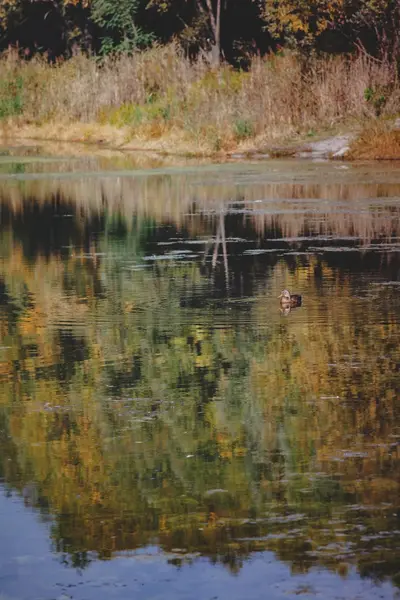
x=285, y=296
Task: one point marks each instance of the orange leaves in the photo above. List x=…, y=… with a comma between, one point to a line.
x=301, y=19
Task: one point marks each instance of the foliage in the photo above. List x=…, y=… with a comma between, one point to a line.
x=117, y=22
x=301, y=22
x=136, y=115
x=376, y=97
x=11, y=103
x=243, y=129
x=198, y=17
x=336, y=25
x=210, y=29
x=376, y=23
x=53, y=27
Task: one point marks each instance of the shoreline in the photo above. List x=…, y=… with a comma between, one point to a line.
x=101, y=138
x=96, y=139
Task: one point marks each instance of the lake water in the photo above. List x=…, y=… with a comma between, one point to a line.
x=166, y=430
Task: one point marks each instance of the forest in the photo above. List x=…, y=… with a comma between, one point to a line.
x=234, y=30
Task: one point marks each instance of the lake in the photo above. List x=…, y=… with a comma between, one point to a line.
x=167, y=430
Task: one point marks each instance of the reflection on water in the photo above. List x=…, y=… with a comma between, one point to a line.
x=153, y=395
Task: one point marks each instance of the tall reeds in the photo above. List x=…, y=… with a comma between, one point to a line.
x=160, y=93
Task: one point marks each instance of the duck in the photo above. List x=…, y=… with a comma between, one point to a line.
x=289, y=300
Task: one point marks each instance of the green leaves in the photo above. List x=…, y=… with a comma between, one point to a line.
x=11, y=103
x=119, y=31
x=336, y=24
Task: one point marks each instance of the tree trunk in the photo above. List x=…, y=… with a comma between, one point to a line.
x=215, y=22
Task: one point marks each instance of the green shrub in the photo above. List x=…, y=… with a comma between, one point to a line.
x=135, y=114
x=376, y=97
x=11, y=103
x=243, y=128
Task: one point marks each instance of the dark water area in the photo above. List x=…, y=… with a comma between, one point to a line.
x=167, y=430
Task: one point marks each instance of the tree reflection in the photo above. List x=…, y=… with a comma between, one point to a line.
x=138, y=402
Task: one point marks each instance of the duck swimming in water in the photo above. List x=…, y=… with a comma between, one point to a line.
x=289, y=300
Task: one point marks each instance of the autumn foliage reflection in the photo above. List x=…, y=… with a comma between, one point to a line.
x=145, y=399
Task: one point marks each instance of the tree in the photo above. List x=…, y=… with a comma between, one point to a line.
x=377, y=23
x=347, y=24
x=57, y=26
x=301, y=22
x=214, y=18
x=118, y=28
x=200, y=22
x=52, y=26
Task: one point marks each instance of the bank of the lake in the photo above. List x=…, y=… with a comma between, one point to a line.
x=161, y=101
x=376, y=141
x=97, y=138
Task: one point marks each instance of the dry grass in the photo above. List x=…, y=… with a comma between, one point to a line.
x=378, y=141
x=160, y=98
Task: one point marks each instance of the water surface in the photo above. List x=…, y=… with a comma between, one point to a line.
x=166, y=431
